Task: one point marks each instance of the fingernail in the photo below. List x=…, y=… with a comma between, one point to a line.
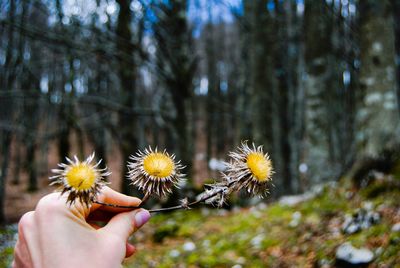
x=141, y=218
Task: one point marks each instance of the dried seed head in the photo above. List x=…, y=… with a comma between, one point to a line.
x=249, y=169
x=81, y=180
x=216, y=194
x=154, y=172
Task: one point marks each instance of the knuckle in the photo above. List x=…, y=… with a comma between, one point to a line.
x=48, y=203
x=26, y=220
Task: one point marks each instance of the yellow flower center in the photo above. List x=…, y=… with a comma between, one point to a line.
x=259, y=166
x=158, y=165
x=81, y=177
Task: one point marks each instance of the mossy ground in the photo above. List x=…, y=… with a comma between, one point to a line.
x=265, y=237
x=303, y=235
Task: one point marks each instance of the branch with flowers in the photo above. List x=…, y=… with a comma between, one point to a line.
x=156, y=173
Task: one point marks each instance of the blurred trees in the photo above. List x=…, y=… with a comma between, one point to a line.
x=378, y=114
x=313, y=81
x=176, y=66
x=127, y=75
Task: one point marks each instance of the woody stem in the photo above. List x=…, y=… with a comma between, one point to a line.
x=162, y=209
x=204, y=198
x=186, y=206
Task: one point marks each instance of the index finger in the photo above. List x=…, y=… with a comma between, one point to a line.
x=110, y=196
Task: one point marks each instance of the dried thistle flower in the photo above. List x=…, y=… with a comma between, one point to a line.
x=215, y=194
x=154, y=172
x=250, y=169
x=81, y=180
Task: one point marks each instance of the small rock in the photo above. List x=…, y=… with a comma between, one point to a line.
x=237, y=266
x=262, y=206
x=349, y=256
x=378, y=251
x=189, y=246
x=174, y=253
x=324, y=263
x=360, y=220
x=206, y=243
x=396, y=227
x=257, y=240
x=295, y=219
x=241, y=260
x=292, y=200
x=368, y=205
x=352, y=228
x=222, y=212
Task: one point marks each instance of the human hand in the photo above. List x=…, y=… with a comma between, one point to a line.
x=59, y=235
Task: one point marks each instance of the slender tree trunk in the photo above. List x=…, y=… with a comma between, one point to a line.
x=7, y=114
x=127, y=76
x=396, y=20
x=6, y=140
x=30, y=156
x=211, y=92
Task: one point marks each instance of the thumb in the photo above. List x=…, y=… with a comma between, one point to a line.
x=124, y=224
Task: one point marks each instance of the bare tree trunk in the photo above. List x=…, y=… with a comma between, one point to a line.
x=127, y=76
x=212, y=89
x=177, y=65
x=6, y=139
x=6, y=114
x=396, y=20
x=379, y=115
x=31, y=165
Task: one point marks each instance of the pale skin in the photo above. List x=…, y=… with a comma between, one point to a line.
x=59, y=235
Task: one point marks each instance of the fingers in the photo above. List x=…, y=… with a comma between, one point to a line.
x=130, y=250
x=124, y=224
x=22, y=256
x=55, y=204
x=110, y=196
x=26, y=221
x=100, y=216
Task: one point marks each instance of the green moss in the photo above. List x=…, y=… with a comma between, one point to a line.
x=6, y=256
x=396, y=170
x=279, y=212
x=170, y=229
x=270, y=242
x=327, y=204
x=380, y=188
x=361, y=238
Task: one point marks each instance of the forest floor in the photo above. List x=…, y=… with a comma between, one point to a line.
x=302, y=231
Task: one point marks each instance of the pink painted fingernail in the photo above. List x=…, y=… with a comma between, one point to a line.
x=141, y=218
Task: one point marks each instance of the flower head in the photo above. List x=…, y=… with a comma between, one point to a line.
x=81, y=180
x=249, y=169
x=154, y=172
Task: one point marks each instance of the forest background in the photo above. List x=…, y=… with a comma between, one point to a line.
x=315, y=82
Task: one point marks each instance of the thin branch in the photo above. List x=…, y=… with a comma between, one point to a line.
x=189, y=205
x=182, y=206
